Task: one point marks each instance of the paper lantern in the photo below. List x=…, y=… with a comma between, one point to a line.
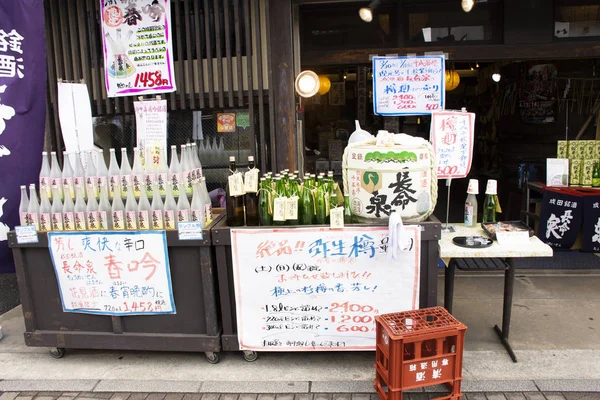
x=452, y=80
x=325, y=85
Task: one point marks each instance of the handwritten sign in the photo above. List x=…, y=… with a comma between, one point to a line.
x=151, y=127
x=113, y=273
x=26, y=234
x=452, y=139
x=138, y=49
x=322, y=289
x=408, y=85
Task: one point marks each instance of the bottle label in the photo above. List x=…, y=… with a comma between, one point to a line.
x=45, y=223
x=68, y=187
x=236, y=184
x=468, y=215
x=33, y=220
x=131, y=220
x=279, y=209
x=182, y=216
x=68, y=221
x=198, y=173
x=117, y=219
x=143, y=221
x=208, y=213
x=190, y=178
x=45, y=186
x=169, y=217
x=78, y=182
x=138, y=183
x=251, y=181
x=336, y=220
x=198, y=216
x=57, y=222
x=157, y=219
x=24, y=218
x=113, y=186
x=150, y=178
x=92, y=184
x=291, y=208
x=125, y=183
x=101, y=182
x=79, y=218
x=102, y=221
x=161, y=182
x=92, y=220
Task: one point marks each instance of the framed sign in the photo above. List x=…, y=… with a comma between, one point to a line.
x=320, y=289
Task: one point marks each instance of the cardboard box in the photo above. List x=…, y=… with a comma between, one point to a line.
x=590, y=149
x=587, y=172
x=581, y=149
x=572, y=148
x=562, y=150
x=575, y=172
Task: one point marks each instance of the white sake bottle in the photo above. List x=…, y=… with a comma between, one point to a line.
x=114, y=176
x=68, y=216
x=23, y=206
x=104, y=210
x=170, y=210
x=207, y=202
x=67, y=177
x=125, y=173
x=45, y=211
x=149, y=174
x=78, y=177
x=157, y=209
x=144, y=211
x=138, y=180
x=162, y=172
x=102, y=172
x=197, y=162
x=183, y=206
x=56, y=210
x=91, y=177
x=130, y=211
x=91, y=210
x=33, y=208
x=188, y=170
x=118, y=213
x=80, y=209
x=44, y=182
x=175, y=176
x=197, y=207
x=55, y=176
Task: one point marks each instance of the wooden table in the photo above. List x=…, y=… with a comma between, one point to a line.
x=533, y=247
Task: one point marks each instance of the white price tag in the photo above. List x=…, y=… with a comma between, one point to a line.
x=336, y=218
x=236, y=185
x=279, y=209
x=251, y=181
x=291, y=208
x=26, y=234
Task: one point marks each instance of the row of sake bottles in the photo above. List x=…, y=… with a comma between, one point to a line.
x=118, y=178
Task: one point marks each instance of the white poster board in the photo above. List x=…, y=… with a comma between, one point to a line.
x=112, y=273
x=408, y=85
x=452, y=134
x=316, y=289
x=151, y=126
x=75, y=117
x=138, y=50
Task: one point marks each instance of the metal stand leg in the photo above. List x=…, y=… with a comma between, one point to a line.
x=509, y=285
x=449, y=285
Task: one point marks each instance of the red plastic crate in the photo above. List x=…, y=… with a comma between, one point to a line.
x=416, y=349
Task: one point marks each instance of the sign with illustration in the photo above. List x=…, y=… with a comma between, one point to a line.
x=22, y=109
x=408, y=85
x=112, y=273
x=138, y=51
x=321, y=290
x=452, y=135
x=226, y=122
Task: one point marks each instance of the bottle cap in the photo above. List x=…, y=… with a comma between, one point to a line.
x=44, y=153
x=473, y=186
x=112, y=150
x=250, y=158
x=492, y=187
x=52, y=153
x=231, y=159
x=23, y=187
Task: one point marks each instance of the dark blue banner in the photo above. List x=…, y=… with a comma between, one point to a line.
x=560, y=218
x=591, y=224
x=22, y=108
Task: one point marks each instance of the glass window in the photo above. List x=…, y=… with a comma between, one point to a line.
x=577, y=21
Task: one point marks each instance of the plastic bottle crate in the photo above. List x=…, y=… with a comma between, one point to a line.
x=416, y=349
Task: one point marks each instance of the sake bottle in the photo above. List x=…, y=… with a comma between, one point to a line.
x=68, y=214
x=207, y=201
x=144, y=211
x=46, y=210
x=188, y=170
x=170, y=210
x=56, y=219
x=174, y=172
x=102, y=173
x=321, y=206
x=157, y=209
x=117, y=212
x=234, y=204
x=23, y=206
x=33, y=208
x=78, y=176
x=55, y=176
x=183, y=206
x=307, y=205
x=278, y=210
x=265, y=208
x=197, y=206
x=44, y=182
x=104, y=210
x=80, y=209
x=489, y=204
x=149, y=174
x=162, y=172
x=197, y=161
x=348, y=217
x=193, y=164
x=125, y=173
x=91, y=178
x=251, y=198
x=471, y=203
x=67, y=177
x=131, y=208
x=114, y=176
x=138, y=180
x=91, y=210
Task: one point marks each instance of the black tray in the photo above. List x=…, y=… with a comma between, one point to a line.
x=472, y=242
x=520, y=226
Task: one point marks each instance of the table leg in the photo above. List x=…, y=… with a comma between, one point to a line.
x=509, y=285
x=449, y=285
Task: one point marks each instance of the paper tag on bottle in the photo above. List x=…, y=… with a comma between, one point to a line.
x=45, y=223
x=130, y=220
x=117, y=219
x=208, y=213
x=143, y=221
x=92, y=220
x=251, y=181
x=68, y=221
x=182, y=216
x=157, y=219
x=291, y=208
x=169, y=218
x=236, y=184
x=336, y=219
x=279, y=209
x=102, y=221
x=57, y=222
x=79, y=221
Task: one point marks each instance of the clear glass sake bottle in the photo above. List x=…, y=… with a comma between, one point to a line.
x=170, y=210
x=104, y=210
x=33, y=208
x=125, y=173
x=56, y=220
x=78, y=176
x=117, y=212
x=192, y=164
x=183, y=206
x=44, y=177
x=67, y=177
x=138, y=180
x=197, y=206
x=55, y=176
x=23, y=206
x=80, y=209
x=162, y=172
x=68, y=214
x=157, y=209
x=45, y=212
x=174, y=172
x=131, y=208
x=102, y=173
x=91, y=210
x=91, y=177
x=114, y=176
x=149, y=173
x=144, y=211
